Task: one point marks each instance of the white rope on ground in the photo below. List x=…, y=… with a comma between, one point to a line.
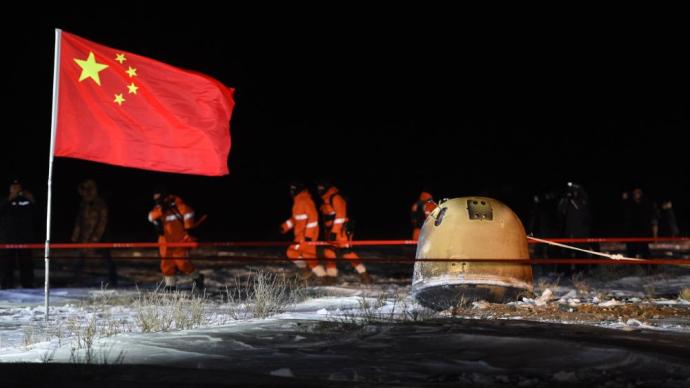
x=607, y=255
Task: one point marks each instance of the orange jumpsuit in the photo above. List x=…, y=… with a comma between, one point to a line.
x=334, y=211
x=420, y=211
x=176, y=221
x=305, y=225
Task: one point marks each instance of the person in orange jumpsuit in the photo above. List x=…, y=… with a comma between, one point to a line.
x=173, y=218
x=304, y=223
x=420, y=211
x=336, y=225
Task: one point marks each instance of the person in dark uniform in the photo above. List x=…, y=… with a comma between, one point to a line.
x=668, y=226
x=17, y=227
x=574, y=210
x=91, y=226
x=640, y=221
x=543, y=220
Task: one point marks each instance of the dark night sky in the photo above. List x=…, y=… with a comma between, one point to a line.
x=381, y=106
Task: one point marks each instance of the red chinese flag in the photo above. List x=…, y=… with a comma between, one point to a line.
x=120, y=108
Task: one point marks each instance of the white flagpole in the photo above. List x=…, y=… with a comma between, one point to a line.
x=53, y=127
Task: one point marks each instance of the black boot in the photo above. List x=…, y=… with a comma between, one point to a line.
x=198, y=282
x=365, y=278
x=306, y=274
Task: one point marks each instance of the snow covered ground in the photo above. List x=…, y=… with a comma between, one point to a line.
x=598, y=329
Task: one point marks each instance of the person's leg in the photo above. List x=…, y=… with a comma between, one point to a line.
x=308, y=251
x=645, y=253
x=26, y=268
x=632, y=250
x=6, y=269
x=78, y=265
x=168, y=270
x=185, y=266
x=112, y=268
x=353, y=257
x=331, y=265
x=415, y=234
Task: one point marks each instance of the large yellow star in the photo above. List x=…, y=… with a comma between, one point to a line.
x=132, y=88
x=120, y=57
x=131, y=71
x=119, y=99
x=90, y=68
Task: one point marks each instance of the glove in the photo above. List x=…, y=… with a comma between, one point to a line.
x=159, y=228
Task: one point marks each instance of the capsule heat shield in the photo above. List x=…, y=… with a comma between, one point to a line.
x=470, y=228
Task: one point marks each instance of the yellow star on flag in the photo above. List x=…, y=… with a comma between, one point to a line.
x=119, y=99
x=131, y=71
x=90, y=68
x=120, y=58
x=132, y=88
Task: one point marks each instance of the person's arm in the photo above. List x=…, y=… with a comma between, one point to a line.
x=340, y=208
x=414, y=214
x=312, y=222
x=29, y=196
x=99, y=228
x=77, y=226
x=287, y=225
x=562, y=206
x=187, y=214
x=155, y=215
x=300, y=216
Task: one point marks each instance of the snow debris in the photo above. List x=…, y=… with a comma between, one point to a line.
x=480, y=305
x=282, y=372
x=610, y=303
x=634, y=323
x=502, y=379
x=526, y=382
x=545, y=297
x=481, y=379
x=565, y=377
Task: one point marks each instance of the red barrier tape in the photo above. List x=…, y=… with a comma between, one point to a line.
x=239, y=259
x=256, y=244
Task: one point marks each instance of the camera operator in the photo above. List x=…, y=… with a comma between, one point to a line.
x=543, y=220
x=17, y=227
x=640, y=221
x=574, y=210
